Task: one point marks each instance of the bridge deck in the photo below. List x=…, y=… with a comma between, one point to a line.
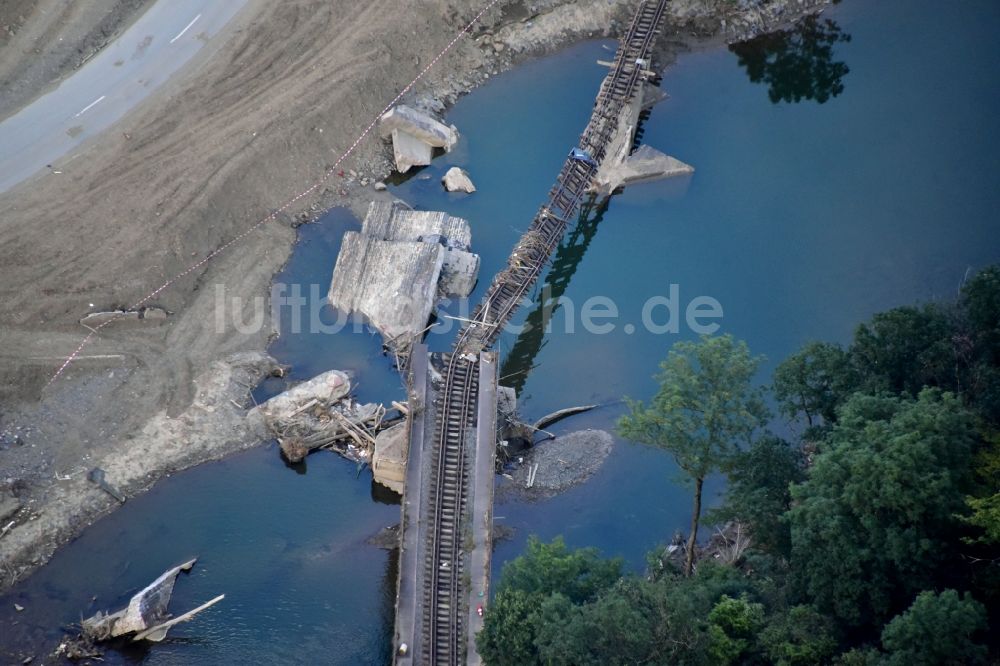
x=444, y=565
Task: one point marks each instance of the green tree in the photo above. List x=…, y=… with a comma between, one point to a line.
x=534, y=588
x=800, y=637
x=938, y=629
x=906, y=349
x=986, y=516
x=814, y=381
x=980, y=304
x=875, y=519
x=980, y=301
x=705, y=409
x=859, y=657
x=509, y=626
x=617, y=628
x=733, y=627
x=545, y=568
x=759, y=492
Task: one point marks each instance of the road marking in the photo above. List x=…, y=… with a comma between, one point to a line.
x=188, y=27
x=89, y=106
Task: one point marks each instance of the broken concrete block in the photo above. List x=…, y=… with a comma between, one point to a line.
x=146, y=616
x=419, y=125
x=155, y=314
x=393, y=284
x=646, y=163
x=457, y=180
x=459, y=273
x=409, y=151
x=392, y=221
x=393, y=271
x=389, y=459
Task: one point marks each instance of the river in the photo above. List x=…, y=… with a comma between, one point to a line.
x=801, y=220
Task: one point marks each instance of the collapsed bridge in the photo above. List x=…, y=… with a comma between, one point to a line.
x=448, y=498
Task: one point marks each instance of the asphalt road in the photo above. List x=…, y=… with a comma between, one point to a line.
x=156, y=46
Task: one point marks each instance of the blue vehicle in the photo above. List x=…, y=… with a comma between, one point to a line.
x=582, y=156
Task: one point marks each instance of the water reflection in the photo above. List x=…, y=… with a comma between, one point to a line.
x=387, y=608
x=796, y=64
x=519, y=361
x=383, y=495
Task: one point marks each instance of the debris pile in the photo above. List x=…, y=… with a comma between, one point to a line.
x=320, y=414
x=145, y=618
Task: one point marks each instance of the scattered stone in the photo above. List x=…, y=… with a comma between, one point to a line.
x=18, y=607
x=153, y=313
x=379, y=186
x=502, y=532
x=457, y=180
x=558, y=464
x=386, y=538
x=9, y=505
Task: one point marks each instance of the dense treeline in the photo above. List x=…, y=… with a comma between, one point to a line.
x=873, y=539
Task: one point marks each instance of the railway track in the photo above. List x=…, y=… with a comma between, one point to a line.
x=442, y=625
x=443, y=567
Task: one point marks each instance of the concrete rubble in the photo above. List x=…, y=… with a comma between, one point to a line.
x=415, y=135
x=394, y=270
x=149, y=315
x=146, y=617
x=458, y=180
x=389, y=460
x=625, y=166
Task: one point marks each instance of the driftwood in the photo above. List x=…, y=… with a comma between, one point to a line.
x=146, y=616
x=334, y=431
x=559, y=415
x=159, y=632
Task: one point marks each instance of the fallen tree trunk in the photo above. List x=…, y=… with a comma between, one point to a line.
x=559, y=415
x=159, y=632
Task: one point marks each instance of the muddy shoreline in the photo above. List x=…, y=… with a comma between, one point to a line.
x=146, y=401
